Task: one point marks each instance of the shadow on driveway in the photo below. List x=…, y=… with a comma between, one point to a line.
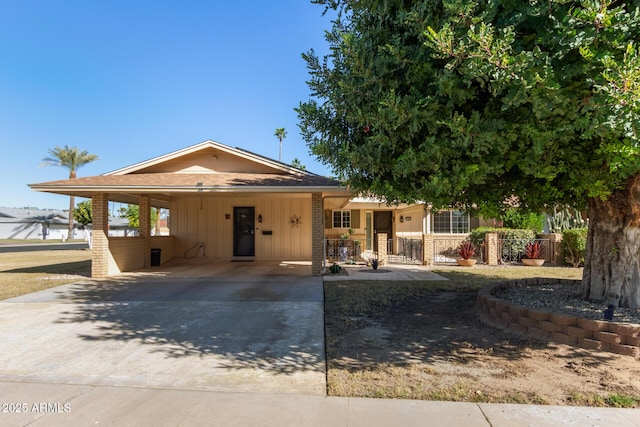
x=236, y=334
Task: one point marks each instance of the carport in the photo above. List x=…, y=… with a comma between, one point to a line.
x=173, y=327
x=225, y=203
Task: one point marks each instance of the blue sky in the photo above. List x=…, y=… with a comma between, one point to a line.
x=132, y=80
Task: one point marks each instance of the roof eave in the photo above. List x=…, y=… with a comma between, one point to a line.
x=185, y=189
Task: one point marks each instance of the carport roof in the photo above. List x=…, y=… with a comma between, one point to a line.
x=182, y=182
x=208, y=167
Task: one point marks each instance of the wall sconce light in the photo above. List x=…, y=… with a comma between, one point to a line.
x=401, y=218
x=260, y=218
x=199, y=186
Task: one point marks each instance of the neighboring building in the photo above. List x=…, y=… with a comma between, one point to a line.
x=50, y=224
x=16, y=223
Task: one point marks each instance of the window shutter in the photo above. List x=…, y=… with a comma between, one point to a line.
x=328, y=219
x=355, y=218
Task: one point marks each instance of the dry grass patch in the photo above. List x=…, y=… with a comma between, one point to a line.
x=424, y=340
x=481, y=275
x=25, y=272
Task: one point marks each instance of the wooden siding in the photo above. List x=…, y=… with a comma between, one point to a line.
x=209, y=160
x=210, y=221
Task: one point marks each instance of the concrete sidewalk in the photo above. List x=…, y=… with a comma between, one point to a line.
x=39, y=404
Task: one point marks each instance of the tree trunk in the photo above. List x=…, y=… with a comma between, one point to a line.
x=612, y=259
x=72, y=203
x=71, y=206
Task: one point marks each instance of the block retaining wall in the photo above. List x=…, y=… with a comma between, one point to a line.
x=614, y=337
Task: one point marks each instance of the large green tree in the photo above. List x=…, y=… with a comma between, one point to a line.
x=70, y=158
x=83, y=213
x=474, y=103
x=132, y=213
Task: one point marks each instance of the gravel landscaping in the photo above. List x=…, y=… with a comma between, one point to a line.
x=564, y=299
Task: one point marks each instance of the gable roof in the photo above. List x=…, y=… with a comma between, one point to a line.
x=268, y=164
x=208, y=167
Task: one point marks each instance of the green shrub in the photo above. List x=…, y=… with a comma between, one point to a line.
x=477, y=236
x=516, y=234
x=516, y=239
x=515, y=242
x=515, y=219
x=575, y=243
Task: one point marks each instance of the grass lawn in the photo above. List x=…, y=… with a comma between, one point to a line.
x=25, y=272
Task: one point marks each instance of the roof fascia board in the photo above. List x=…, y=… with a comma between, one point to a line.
x=207, y=144
x=185, y=189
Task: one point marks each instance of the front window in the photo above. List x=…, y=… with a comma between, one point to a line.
x=341, y=219
x=450, y=222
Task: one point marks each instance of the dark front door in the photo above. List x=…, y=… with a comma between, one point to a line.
x=243, y=231
x=381, y=224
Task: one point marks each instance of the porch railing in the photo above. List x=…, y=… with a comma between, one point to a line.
x=404, y=250
x=445, y=250
x=512, y=251
x=341, y=250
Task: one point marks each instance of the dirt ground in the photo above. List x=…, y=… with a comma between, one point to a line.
x=435, y=347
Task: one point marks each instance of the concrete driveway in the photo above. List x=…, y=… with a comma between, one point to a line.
x=160, y=329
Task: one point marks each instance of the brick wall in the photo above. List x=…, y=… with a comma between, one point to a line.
x=125, y=254
x=145, y=229
x=427, y=249
x=491, y=248
x=382, y=248
x=614, y=337
x=100, y=241
x=317, y=234
x=555, y=250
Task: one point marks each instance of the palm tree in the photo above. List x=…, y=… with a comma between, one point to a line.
x=73, y=159
x=280, y=134
x=296, y=163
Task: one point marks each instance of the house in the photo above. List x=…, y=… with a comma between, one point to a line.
x=51, y=224
x=225, y=202
x=31, y=223
x=414, y=233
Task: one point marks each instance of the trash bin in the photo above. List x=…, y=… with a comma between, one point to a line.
x=156, y=255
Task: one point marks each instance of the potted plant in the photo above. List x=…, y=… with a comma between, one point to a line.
x=466, y=251
x=533, y=254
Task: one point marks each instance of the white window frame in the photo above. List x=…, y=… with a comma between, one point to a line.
x=345, y=218
x=451, y=230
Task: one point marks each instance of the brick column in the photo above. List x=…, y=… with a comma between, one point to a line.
x=554, y=249
x=317, y=234
x=99, y=236
x=144, y=229
x=427, y=249
x=491, y=248
x=382, y=248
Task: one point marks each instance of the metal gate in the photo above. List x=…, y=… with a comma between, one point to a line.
x=404, y=250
